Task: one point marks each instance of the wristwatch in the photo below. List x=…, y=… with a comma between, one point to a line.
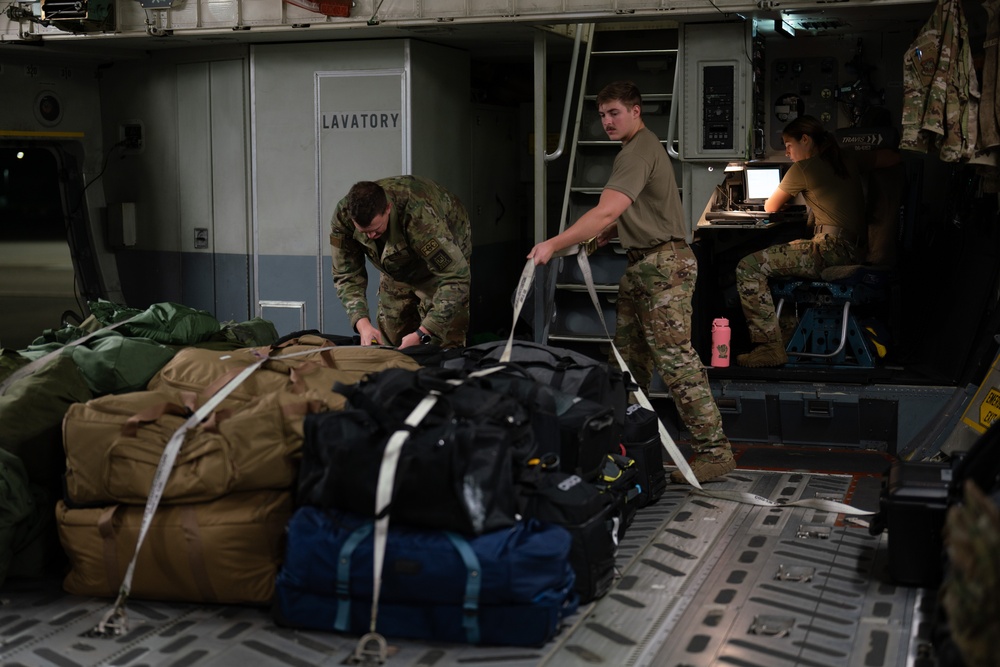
x=425, y=338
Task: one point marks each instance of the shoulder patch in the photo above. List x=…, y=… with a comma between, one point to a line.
x=440, y=259
x=429, y=247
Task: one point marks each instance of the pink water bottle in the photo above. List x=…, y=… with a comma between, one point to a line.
x=720, y=342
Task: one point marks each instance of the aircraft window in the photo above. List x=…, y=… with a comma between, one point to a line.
x=37, y=276
x=30, y=201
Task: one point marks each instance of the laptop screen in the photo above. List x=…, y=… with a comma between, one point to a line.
x=761, y=182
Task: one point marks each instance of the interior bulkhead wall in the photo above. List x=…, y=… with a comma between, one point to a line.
x=185, y=179
x=55, y=253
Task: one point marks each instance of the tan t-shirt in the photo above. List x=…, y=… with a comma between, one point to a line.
x=835, y=201
x=642, y=171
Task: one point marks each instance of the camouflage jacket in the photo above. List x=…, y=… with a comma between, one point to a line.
x=427, y=243
x=940, y=88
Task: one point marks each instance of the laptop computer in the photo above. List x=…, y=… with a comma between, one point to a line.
x=760, y=182
x=737, y=217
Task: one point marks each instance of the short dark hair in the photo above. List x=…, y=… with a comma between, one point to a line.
x=625, y=92
x=366, y=200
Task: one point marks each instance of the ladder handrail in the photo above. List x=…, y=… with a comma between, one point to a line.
x=549, y=157
x=672, y=122
x=564, y=215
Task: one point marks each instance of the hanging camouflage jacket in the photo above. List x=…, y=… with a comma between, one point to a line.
x=940, y=88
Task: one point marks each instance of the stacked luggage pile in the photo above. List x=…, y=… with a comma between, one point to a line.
x=218, y=533
x=116, y=350
x=346, y=486
x=506, y=478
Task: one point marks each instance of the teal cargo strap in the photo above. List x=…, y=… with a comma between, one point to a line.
x=473, y=586
x=343, y=619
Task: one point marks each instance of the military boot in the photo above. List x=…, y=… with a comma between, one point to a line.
x=706, y=467
x=764, y=355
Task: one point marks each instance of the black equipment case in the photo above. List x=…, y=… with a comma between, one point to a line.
x=912, y=508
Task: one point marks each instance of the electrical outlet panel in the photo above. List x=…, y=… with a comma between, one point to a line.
x=132, y=136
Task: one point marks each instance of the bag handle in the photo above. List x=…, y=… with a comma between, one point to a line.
x=152, y=413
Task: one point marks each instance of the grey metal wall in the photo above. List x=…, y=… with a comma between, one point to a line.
x=303, y=161
x=237, y=178
x=189, y=181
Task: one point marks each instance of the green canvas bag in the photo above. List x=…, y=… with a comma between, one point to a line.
x=31, y=415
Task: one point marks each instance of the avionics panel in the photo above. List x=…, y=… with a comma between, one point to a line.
x=718, y=105
x=717, y=80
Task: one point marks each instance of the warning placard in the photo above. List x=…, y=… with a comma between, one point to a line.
x=984, y=409
x=989, y=409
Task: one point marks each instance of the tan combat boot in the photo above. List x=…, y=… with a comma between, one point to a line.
x=763, y=356
x=706, y=467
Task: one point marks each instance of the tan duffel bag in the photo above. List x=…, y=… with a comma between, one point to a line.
x=226, y=551
x=317, y=366
x=114, y=444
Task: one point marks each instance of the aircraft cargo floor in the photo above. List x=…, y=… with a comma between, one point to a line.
x=702, y=582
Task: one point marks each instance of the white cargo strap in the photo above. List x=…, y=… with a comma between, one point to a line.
x=383, y=492
x=524, y=287
x=383, y=497
x=115, y=622
x=821, y=504
x=38, y=363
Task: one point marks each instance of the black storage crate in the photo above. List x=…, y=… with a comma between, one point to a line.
x=744, y=415
x=820, y=419
x=912, y=508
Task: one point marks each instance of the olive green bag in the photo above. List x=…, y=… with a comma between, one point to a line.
x=19, y=512
x=31, y=415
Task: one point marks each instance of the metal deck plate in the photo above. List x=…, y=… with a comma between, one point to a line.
x=702, y=582
x=724, y=583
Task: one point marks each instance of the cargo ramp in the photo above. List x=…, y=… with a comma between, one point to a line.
x=701, y=582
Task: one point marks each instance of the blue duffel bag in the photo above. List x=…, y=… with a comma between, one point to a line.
x=517, y=588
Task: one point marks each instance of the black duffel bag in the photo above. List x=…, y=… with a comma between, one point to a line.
x=569, y=371
x=591, y=517
x=455, y=472
x=579, y=431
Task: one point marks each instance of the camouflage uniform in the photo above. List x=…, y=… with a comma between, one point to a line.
x=653, y=319
x=940, y=88
x=970, y=592
x=804, y=258
x=989, y=121
x=424, y=258
x=654, y=328
x=837, y=207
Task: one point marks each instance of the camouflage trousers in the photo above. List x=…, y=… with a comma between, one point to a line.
x=654, y=329
x=804, y=258
x=402, y=308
